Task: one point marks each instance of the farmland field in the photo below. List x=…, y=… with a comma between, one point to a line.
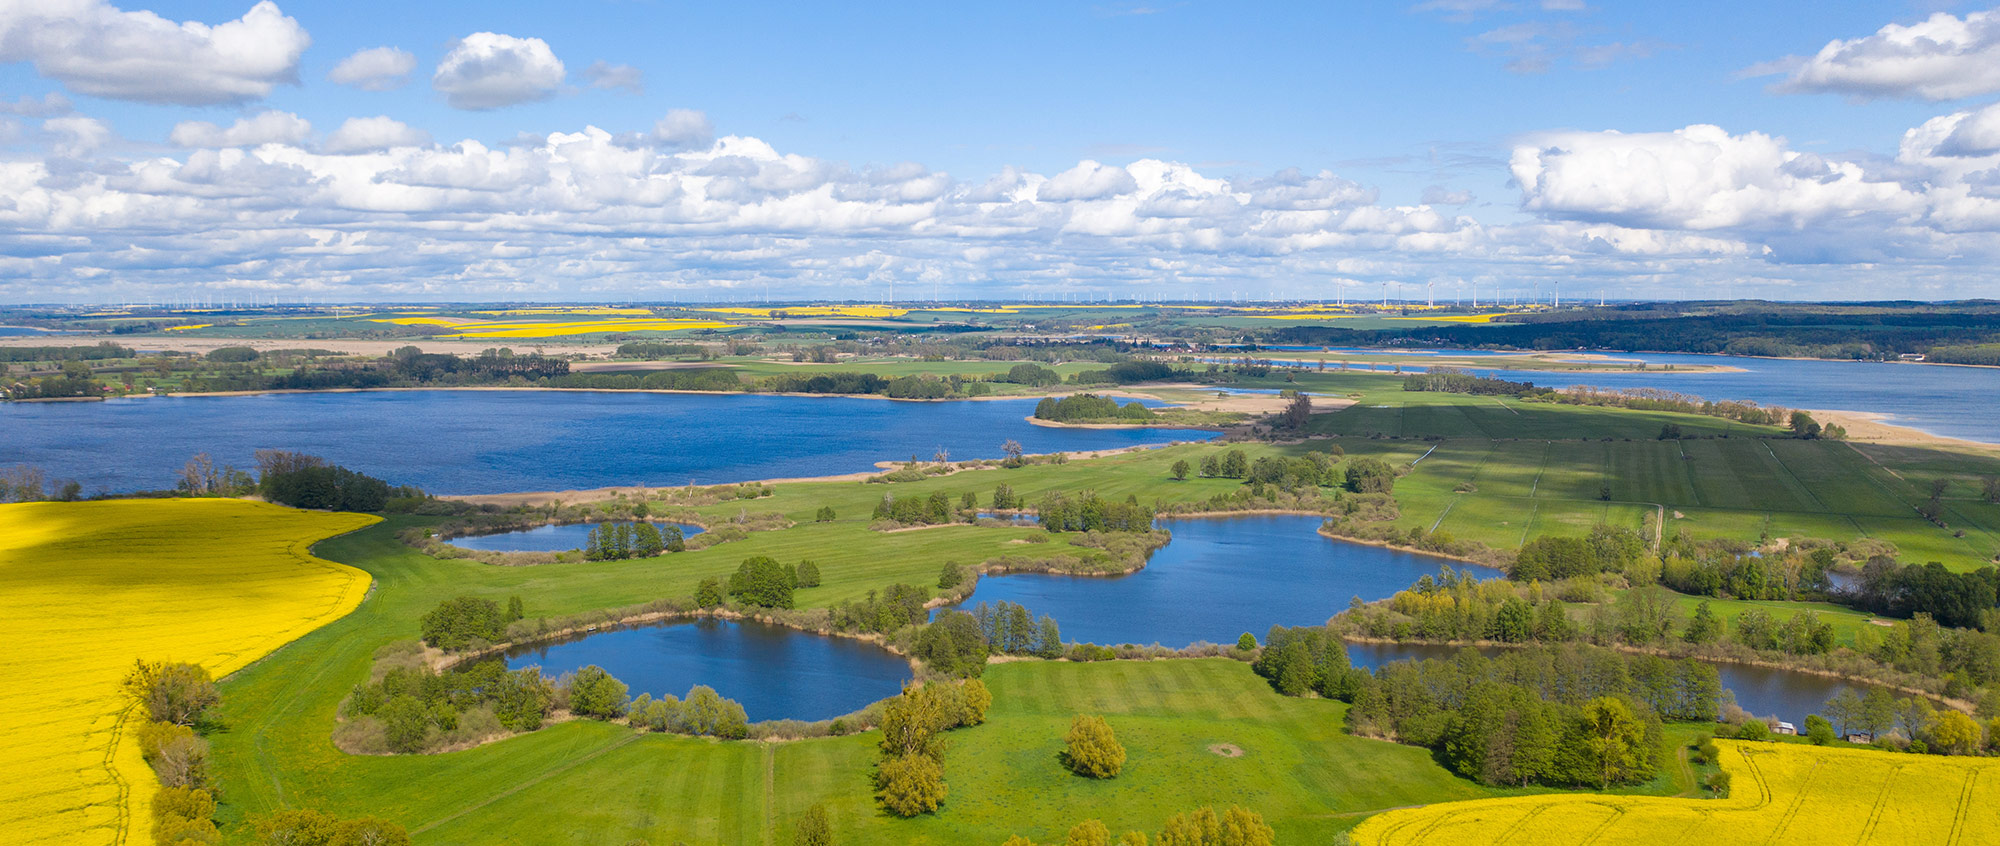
x=1784, y=793
x=90, y=588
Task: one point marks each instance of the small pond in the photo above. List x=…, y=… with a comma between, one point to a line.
x=1219, y=578
x=1787, y=695
x=776, y=672
x=545, y=538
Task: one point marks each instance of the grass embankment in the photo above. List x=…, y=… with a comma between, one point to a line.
x=1783, y=793
x=91, y=587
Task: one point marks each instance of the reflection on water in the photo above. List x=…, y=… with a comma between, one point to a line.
x=462, y=442
x=545, y=538
x=776, y=672
x=1762, y=691
x=1220, y=577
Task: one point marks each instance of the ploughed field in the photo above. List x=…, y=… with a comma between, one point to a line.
x=1783, y=793
x=92, y=587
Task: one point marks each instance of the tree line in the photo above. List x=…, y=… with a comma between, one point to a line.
x=619, y=541
x=1090, y=407
x=1561, y=716
x=1935, y=330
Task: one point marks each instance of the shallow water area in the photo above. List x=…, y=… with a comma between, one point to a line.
x=777, y=673
x=551, y=538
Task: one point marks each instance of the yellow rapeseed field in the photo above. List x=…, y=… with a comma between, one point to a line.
x=86, y=588
x=471, y=328
x=1784, y=793
x=583, y=327
x=587, y=310
x=817, y=311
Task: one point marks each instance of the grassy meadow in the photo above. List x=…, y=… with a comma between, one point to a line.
x=1488, y=469
x=93, y=587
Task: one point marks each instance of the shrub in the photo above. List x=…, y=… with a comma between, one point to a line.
x=708, y=594
x=909, y=785
x=953, y=645
x=1717, y=782
x=596, y=693
x=457, y=623
x=761, y=580
x=172, y=692
x=813, y=828
x=1090, y=748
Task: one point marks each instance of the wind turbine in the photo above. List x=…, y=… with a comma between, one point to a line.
x=1430, y=299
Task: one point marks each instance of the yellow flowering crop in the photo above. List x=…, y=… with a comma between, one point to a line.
x=190, y=326
x=584, y=327
x=86, y=588
x=817, y=311
x=1783, y=793
x=587, y=310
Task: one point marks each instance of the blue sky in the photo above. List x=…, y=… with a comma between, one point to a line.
x=1027, y=149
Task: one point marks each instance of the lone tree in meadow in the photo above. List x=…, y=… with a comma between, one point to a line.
x=1090, y=750
x=807, y=575
x=1181, y=470
x=1298, y=412
x=909, y=785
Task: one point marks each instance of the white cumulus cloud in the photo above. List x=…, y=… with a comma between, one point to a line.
x=98, y=49
x=375, y=69
x=488, y=70
x=1943, y=57
x=77, y=135
x=373, y=134
x=271, y=127
x=1089, y=180
x=1698, y=178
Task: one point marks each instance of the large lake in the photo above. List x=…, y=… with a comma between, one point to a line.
x=776, y=672
x=1929, y=397
x=466, y=442
x=1219, y=578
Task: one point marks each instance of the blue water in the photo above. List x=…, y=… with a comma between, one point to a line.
x=1928, y=397
x=1763, y=692
x=776, y=672
x=1219, y=578
x=544, y=538
x=6, y=331
x=1936, y=398
x=464, y=442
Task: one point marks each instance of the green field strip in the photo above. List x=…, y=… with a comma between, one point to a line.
x=1575, y=470
x=1792, y=479
x=1845, y=480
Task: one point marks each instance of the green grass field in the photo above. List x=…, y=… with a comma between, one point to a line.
x=594, y=783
